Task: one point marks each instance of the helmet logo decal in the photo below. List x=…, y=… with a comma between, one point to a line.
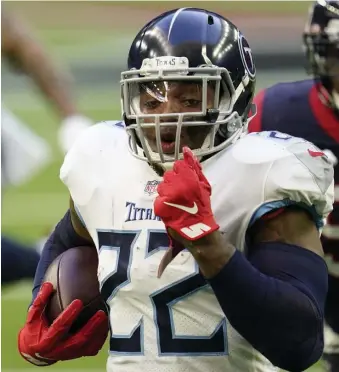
x=246, y=56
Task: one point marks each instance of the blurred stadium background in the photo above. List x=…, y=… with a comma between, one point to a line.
x=92, y=39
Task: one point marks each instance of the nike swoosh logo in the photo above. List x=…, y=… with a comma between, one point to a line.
x=190, y=210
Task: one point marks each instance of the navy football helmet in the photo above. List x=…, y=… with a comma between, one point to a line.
x=321, y=44
x=189, y=45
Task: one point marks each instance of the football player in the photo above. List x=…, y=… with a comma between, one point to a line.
x=219, y=267
x=23, y=152
x=310, y=109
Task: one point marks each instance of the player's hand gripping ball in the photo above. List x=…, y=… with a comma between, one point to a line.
x=67, y=320
x=42, y=344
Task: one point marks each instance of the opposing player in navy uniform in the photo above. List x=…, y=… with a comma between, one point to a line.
x=310, y=109
x=248, y=292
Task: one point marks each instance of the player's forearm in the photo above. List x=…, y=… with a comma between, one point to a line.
x=212, y=253
x=52, y=81
x=24, y=52
x=48, y=254
x=332, y=304
x=62, y=238
x=275, y=301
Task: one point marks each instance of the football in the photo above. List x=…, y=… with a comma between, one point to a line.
x=74, y=276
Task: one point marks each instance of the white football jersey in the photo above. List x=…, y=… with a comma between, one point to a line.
x=175, y=323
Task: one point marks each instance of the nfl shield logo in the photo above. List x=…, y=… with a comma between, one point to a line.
x=151, y=187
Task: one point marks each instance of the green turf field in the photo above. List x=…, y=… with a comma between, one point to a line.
x=30, y=211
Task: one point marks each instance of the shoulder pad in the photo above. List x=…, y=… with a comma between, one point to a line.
x=305, y=177
x=87, y=157
x=315, y=160
x=298, y=173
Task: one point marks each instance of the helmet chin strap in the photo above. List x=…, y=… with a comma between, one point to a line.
x=164, y=166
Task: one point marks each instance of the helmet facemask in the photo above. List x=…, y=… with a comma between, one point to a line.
x=321, y=45
x=156, y=80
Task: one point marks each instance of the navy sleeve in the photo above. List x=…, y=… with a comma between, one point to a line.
x=332, y=303
x=62, y=238
x=275, y=299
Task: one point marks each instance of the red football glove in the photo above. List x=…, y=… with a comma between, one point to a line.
x=184, y=203
x=42, y=344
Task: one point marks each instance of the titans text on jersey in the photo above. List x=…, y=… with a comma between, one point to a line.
x=134, y=213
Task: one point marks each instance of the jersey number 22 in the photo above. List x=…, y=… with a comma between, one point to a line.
x=162, y=301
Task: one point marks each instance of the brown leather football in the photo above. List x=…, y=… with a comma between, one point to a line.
x=74, y=276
